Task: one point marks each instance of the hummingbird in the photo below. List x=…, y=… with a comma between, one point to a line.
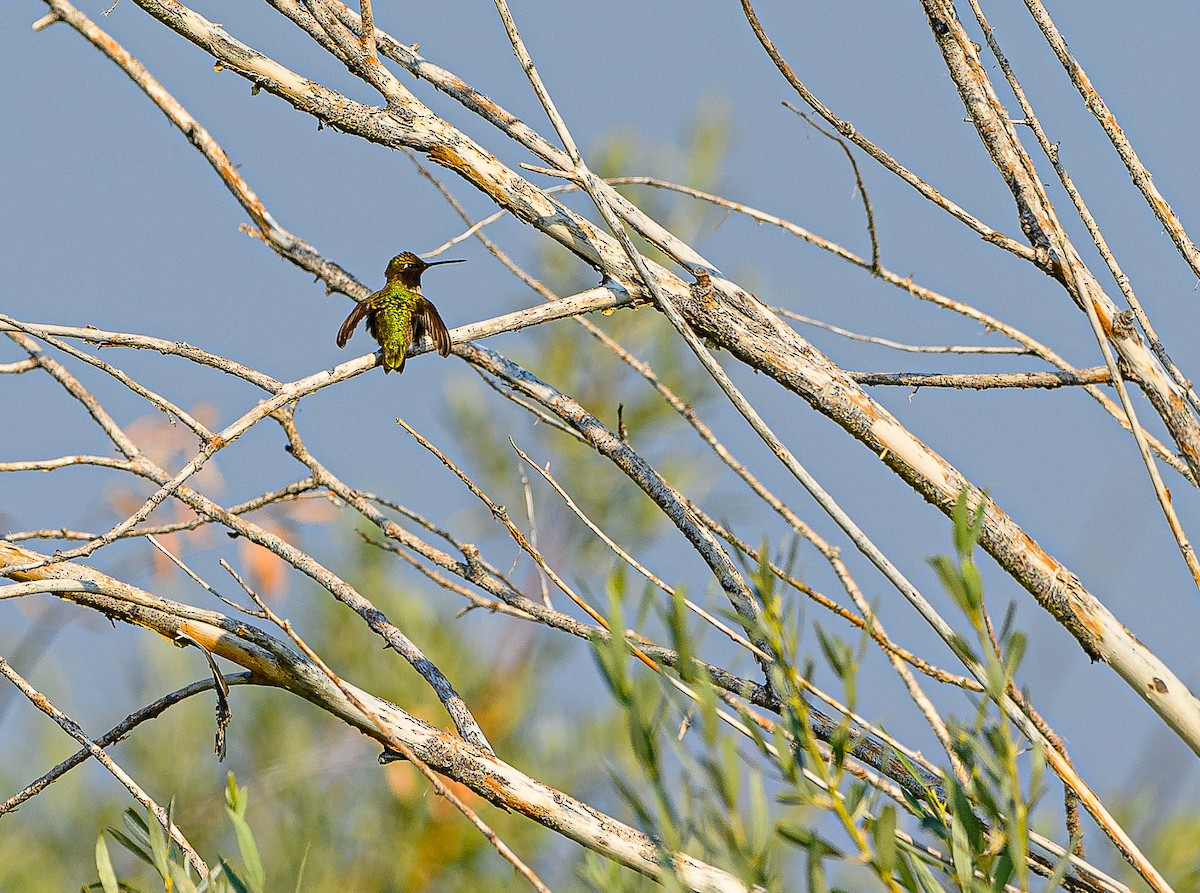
x=399, y=314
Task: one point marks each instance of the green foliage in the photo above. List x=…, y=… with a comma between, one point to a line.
x=147, y=839
x=773, y=804
x=984, y=818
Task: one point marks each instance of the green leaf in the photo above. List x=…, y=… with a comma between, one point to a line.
x=234, y=881
x=964, y=815
x=303, y=865
x=181, y=878
x=159, y=849
x=837, y=652
x=1002, y=872
x=133, y=847
x=924, y=876
x=960, y=516
x=104, y=867
x=237, y=801
x=961, y=854
x=883, y=835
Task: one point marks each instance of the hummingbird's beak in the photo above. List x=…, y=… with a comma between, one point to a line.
x=438, y=263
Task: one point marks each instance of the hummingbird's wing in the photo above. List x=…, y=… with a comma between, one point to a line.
x=356, y=316
x=427, y=321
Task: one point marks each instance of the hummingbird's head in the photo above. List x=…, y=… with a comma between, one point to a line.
x=407, y=267
x=405, y=262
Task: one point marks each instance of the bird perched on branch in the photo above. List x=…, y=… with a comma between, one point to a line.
x=398, y=315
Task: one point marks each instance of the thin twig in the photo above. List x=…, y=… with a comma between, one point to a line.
x=899, y=345
x=858, y=181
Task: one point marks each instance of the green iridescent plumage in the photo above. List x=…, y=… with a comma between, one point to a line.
x=398, y=314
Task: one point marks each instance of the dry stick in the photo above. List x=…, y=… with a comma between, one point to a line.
x=858, y=181
x=143, y=342
x=66, y=462
x=472, y=568
x=1092, y=100
x=276, y=664
x=118, y=732
x=848, y=130
x=900, y=345
x=1051, y=152
x=434, y=529
x=985, y=380
x=73, y=729
x=299, y=490
x=1139, y=435
x=18, y=367
x=368, y=32
x=533, y=533
x=917, y=291
x=495, y=606
x=393, y=741
x=196, y=578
